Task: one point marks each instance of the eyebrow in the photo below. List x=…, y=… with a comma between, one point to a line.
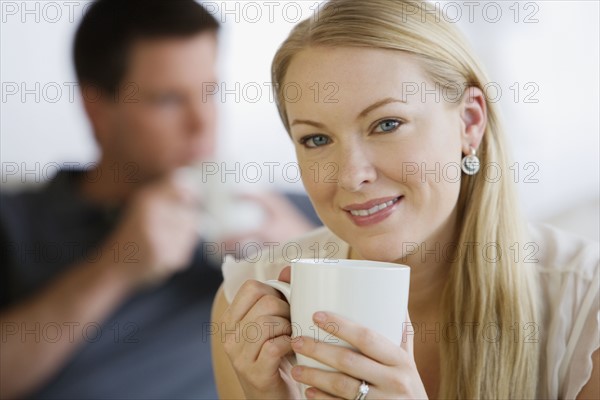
x=378, y=104
x=362, y=114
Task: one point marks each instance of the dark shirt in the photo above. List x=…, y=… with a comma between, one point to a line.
x=155, y=345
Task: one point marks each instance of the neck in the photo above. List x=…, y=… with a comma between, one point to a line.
x=430, y=267
x=110, y=183
x=429, y=271
x=428, y=278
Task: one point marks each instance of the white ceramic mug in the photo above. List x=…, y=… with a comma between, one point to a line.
x=224, y=213
x=371, y=293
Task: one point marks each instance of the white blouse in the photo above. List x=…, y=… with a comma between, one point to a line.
x=568, y=271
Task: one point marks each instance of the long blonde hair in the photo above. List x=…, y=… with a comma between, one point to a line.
x=481, y=292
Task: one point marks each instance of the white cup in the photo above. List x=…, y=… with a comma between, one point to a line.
x=371, y=293
x=224, y=213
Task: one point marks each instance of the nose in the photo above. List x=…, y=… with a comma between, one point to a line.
x=355, y=168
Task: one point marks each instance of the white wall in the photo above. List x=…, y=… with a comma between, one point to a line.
x=558, y=55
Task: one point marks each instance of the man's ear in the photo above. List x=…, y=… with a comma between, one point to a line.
x=473, y=113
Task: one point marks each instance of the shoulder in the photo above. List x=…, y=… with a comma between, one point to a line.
x=26, y=211
x=21, y=217
x=18, y=207
x=22, y=214
x=558, y=252
x=270, y=260
x=568, y=271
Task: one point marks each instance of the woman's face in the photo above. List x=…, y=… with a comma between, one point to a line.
x=379, y=151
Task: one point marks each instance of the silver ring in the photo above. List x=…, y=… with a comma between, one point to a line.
x=363, y=390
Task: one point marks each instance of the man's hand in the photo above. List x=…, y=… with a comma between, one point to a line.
x=158, y=232
x=283, y=221
x=156, y=237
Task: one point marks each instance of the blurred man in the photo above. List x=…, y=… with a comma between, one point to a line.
x=105, y=291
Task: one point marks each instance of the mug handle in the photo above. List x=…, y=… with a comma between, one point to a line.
x=283, y=287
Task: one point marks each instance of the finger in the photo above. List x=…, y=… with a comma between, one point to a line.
x=258, y=197
x=268, y=318
x=254, y=336
x=314, y=393
x=273, y=203
x=285, y=275
x=247, y=296
x=237, y=243
x=329, y=383
x=343, y=359
x=264, y=199
x=272, y=351
x=263, y=204
x=184, y=213
x=181, y=221
x=408, y=336
x=241, y=239
x=268, y=305
x=369, y=342
x=183, y=189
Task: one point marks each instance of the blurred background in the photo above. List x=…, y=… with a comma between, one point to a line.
x=542, y=56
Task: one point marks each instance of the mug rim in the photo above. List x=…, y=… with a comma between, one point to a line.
x=358, y=264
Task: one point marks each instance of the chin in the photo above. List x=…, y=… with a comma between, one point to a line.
x=378, y=248
x=380, y=253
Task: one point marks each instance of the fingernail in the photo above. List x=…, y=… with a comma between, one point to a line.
x=297, y=372
x=297, y=343
x=320, y=316
x=310, y=393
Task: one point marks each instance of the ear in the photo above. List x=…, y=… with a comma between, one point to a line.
x=473, y=113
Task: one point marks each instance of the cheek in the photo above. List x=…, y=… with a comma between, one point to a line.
x=319, y=187
x=426, y=167
x=137, y=118
x=435, y=185
x=209, y=111
x=157, y=127
x=442, y=172
x=146, y=141
x=433, y=150
x=161, y=124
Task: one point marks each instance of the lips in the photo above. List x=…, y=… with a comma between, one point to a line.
x=373, y=211
x=370, y=204
x=376, y=208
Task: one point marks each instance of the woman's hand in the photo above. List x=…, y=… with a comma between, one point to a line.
x=389, y=369
x=258, y=329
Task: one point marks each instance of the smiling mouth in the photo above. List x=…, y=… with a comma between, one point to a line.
x=374, y=209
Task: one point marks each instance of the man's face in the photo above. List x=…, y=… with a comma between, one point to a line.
x=162, y=118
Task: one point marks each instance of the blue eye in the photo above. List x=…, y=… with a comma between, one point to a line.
x=388, y=125
x=315, y=141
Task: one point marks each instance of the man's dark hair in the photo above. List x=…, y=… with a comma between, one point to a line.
x=110, y=27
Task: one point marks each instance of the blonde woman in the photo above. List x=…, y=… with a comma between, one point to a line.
x=380, y=154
